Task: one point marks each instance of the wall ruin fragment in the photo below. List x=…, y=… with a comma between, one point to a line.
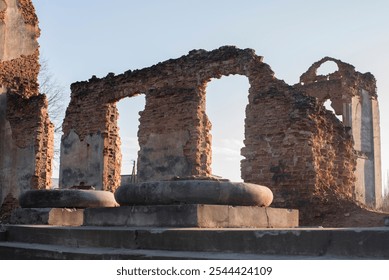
x=353, y=95
x=26, y=133
x=292, y=143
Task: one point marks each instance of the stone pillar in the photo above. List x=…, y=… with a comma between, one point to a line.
x=366, y=134
x=90, y=146
x=174, y=134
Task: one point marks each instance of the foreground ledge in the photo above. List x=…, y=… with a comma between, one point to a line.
x=193, y=215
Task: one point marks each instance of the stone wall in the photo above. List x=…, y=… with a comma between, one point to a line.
x=292, y=143
x=174, y=131
x=26, y=133
x=297, y=148
x=353, y=96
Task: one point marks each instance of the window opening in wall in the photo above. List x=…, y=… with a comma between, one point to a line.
x=128, y=124
x=227, y=99
x=327, y=105
x=327, y=68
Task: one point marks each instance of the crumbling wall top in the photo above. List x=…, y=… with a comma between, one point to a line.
x=195, y=68
x=28, y=12
x=345, y=75
x=344, y=70
x=19, y=48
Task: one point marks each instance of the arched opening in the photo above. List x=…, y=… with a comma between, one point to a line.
x=327, y=68
x=227, y=99
x=128, y=124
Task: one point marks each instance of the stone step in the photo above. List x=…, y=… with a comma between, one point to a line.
x=364, y=243
x=33, y=251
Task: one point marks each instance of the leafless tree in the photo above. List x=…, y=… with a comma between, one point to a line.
x=55, y=94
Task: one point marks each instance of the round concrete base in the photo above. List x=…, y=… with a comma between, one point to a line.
x=194, y=192
x=66, y=199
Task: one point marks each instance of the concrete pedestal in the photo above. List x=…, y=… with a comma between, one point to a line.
x=193, y=215
x=48, y=216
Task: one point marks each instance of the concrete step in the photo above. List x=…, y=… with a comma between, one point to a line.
x=33, y=251
x=73, y=242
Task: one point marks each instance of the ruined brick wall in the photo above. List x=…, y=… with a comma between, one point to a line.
x=300, y=151
x=334, y=156
x=174, y=117
x=32, y=129
x=170, y=128
x=296, y=147
x=26, y=133
x=19, y=53
x=19, y=75
x=292, y=143
x=353, y=96
x=278, y=146
x=91, y=141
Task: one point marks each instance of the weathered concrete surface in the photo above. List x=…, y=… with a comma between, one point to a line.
x=48, y=216
x=66, y=217
x=18, y=34
x=2, y=233
x=366, y=133
x=203, y=216
x=85, y=158
x=30, y=216
x=194, y=192
x=348, y=243
x=21, y=251
x=66, y=199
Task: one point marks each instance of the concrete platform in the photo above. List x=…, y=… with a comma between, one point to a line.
x=48, y=216
x=49, y=242
x=193, y=215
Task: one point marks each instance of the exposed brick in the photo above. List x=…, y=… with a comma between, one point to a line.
x=292, y=143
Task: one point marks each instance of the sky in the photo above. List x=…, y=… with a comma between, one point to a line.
x=94, y=37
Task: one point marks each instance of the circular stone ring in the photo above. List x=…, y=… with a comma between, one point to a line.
x=66, y=198
x=194, y=192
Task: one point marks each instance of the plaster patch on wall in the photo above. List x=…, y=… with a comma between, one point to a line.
x=84, y=160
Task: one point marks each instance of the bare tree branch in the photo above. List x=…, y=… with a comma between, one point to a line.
x=55, y=95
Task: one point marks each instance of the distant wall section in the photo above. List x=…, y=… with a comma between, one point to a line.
x=353, y=96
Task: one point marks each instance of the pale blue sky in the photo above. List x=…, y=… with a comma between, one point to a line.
x=94, y=37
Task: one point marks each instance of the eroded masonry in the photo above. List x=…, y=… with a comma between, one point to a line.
x=292, y=143
x=26, y=132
